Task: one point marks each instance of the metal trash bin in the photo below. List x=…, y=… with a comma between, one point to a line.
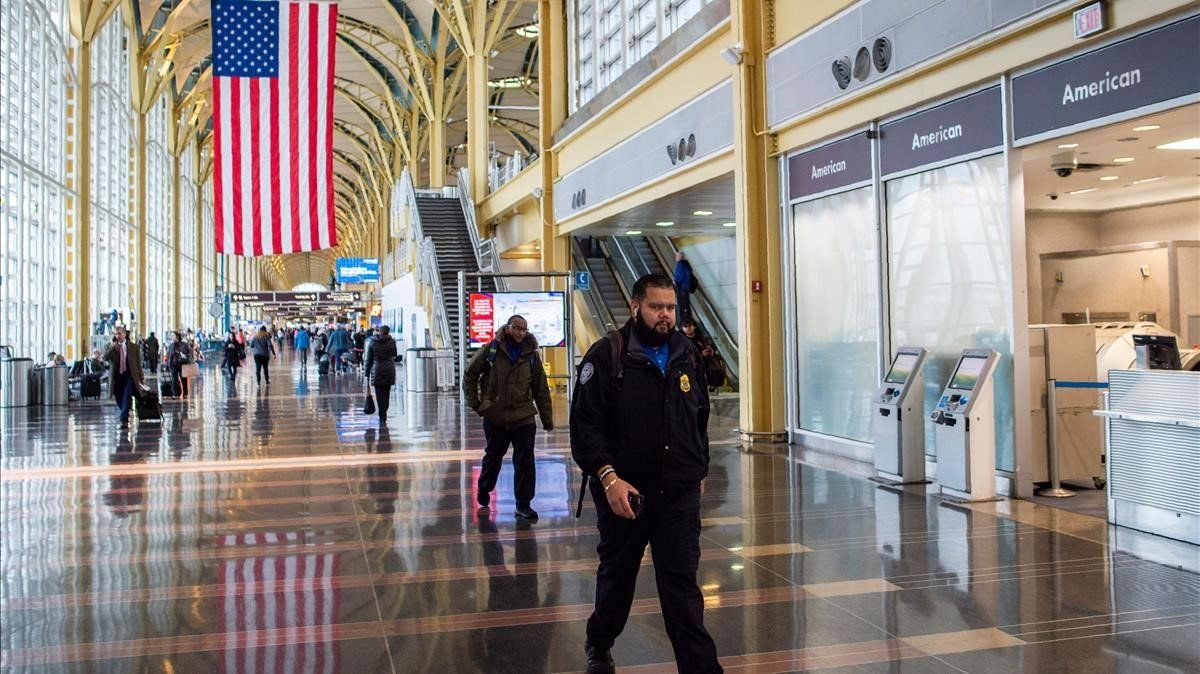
x=55, y=386
x=14, y=381
x=420, y=366
x=35, y=385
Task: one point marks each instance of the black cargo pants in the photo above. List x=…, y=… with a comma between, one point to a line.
x=670, y=524
x=524, y=471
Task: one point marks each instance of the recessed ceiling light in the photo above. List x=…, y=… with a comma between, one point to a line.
x=1146, y=180
x=701, y=212
x=663, y=224
x=1108, y=178
x=1084, y=191
x=1122, y=160
x=730, y=224
x=1147, y=127
x=633, y=232
x=1186, y=144
x=1068, y=146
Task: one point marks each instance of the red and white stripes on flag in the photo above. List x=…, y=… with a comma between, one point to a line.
x=279, y=611
x=273, y=126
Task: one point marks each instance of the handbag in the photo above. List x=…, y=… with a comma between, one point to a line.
x=189, y=370
x=369, y=404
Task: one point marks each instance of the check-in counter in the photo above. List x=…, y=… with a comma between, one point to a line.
x=1152, y=432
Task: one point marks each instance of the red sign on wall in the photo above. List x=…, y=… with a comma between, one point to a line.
x=482, y=318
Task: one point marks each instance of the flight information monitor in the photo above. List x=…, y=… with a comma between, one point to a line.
x=967, y=374
x=902, y=367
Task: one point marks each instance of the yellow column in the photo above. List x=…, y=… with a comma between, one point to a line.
x=760, y=306
x=199, y=289
x=83, y=307
x=477, y=103
x=552, y=110
x=141, y=311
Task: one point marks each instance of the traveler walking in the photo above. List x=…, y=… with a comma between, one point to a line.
x=381, y=370
x=263, y=349
x=234, y=353
x=302, y=342
x=125, y=372
x=639, y=430
x=150, y=349
x=505, y=384
x=685, y=285
x=178, y=355
x=339, y=343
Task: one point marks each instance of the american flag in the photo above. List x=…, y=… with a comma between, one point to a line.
x=273, y=125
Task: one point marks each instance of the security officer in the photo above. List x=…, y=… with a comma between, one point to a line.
x=639, y=428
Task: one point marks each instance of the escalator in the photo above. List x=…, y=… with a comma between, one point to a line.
x=617, y=262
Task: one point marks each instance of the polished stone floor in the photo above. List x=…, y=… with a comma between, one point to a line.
x=279, y=530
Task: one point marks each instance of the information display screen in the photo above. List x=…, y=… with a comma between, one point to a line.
x=902, y=367
x=967, y=374
x=545, y=313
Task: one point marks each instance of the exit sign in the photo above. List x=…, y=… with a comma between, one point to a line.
x=1089, y=20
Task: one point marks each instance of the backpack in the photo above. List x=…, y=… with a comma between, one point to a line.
x=493, y=350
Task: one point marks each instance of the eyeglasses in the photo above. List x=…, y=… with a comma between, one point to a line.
x=517, y=328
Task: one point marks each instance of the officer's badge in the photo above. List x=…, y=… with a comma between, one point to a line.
x=586, y=373
x=685, y=384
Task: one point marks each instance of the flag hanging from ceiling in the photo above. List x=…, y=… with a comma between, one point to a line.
x=273, y=126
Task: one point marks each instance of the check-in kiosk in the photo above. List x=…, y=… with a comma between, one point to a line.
x=965, y=429
x=899, y=420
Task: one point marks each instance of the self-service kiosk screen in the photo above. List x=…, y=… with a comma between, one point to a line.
x=967, y=374
x=902, y=367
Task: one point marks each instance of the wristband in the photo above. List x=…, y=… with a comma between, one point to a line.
x=605, y=472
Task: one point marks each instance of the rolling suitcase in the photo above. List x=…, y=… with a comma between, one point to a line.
x=149, y=409
x=89, y=387
x=323, y=364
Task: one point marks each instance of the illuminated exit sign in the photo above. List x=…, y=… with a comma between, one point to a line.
x=1089, y=20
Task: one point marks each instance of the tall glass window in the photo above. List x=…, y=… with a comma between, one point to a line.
x=837, y=312
x=643, y=27
x=951, y=276
x=113, y=274
x=189, y=225
x=34, y=75
x=160, y=229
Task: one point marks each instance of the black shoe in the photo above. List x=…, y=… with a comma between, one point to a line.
x=483, y=499
x=599, y=660
x=527, y=513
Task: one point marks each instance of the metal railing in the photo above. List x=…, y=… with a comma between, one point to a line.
x=487, y=258
x=597, y=308
x=511, y=168
x=432, y=278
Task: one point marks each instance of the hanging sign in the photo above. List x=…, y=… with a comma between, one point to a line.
x=959, y=128
x=829, y=167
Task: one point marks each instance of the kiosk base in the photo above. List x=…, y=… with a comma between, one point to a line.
x=893, y=480
x=955, y=496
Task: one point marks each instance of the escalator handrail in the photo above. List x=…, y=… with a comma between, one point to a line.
x=709, y=315
x=596, y=304
x=622, y=281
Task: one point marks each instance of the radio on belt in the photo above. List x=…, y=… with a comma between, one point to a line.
x=965, y=429
x=898, y=421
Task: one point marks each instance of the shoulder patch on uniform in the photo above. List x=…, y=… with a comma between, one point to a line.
x=586, y=373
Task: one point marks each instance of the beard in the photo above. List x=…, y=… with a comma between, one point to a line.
x=652, y=335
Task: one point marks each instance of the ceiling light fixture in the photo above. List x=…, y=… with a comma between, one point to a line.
x=633, y=232
x=1068, y=146
x=701, y=212
x=730, y=224
x=1147, y=180
x=1108, y=178
x=664, y=224
x=1186, y=144
x=1122, y=160
x=1083, y=191
x=1147, y=127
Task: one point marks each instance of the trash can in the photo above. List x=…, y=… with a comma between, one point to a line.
x=14, y=381
x=55, y=387
x=35, y=386
x=420, y=367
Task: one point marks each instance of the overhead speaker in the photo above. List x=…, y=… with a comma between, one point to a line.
x=862, y=64
x=881, y=54
x=841, y=72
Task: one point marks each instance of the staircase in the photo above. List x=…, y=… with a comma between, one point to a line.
x=442, y=220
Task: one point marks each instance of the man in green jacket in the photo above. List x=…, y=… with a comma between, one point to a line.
x=505, y=384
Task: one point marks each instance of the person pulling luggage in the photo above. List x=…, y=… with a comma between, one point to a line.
x=125, y=372
x=505, y=383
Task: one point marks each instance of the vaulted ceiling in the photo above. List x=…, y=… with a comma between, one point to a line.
x=399, y=68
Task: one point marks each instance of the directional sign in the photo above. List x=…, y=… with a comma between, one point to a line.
x=357, y=269
x=322, y=297
x=583, y=280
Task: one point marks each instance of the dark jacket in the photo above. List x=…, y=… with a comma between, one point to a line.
x=652, y=429
x=150, y=349
x=381, y=361
x=234, y=352
x=178, y=354
x=133, y=363
x=512, y=393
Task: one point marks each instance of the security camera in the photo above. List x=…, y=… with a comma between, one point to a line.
x=733, y=54
x=537, y=193
x=1064, y=163
x=1053, y=196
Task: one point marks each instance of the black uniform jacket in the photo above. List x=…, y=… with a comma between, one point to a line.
x=653, y=429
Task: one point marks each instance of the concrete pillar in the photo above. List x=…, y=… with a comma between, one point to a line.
x=141, y=311
x=759, y=264
x=477, y=103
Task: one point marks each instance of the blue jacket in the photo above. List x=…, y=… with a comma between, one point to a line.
x=339, y=341
x=302, y=340
x=683, y=276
